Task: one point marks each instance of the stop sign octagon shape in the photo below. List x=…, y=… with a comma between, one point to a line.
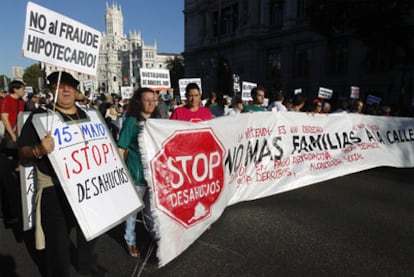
x=188, y=175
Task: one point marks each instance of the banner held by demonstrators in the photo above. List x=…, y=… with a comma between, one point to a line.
x=263, y=155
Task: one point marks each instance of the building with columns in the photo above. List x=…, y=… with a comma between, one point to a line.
x=270, y=42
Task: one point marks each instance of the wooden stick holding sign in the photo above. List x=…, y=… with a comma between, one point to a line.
x=55, y=98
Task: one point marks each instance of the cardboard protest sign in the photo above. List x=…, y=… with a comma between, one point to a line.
x=354, y=92
x=325, y=93
x=196, y=170
x=88, y=84
x=236, y=84
x=93, y=176
x=55, y=39
x=156, y=79
x=246, y=89
x=127, y=92
x=28, y=185
x=372, y=99
x=182, y=83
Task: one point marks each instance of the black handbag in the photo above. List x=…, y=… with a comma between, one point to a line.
x=7, y=142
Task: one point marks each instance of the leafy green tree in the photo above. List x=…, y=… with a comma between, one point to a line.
x=176, y=67
x=32, y=74
x=2, y=84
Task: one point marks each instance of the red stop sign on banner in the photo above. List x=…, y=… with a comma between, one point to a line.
x=188, y=175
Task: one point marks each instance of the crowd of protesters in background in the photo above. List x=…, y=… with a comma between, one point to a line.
x=112, y=106
x=121, y=115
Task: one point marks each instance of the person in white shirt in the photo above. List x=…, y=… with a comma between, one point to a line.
x=237, y=104
x=277, y=104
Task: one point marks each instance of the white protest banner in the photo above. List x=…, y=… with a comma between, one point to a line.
x=156, y=79
x=127, y=92
x=55, y=39
x=196, y=170
x=354, y=92
x=93, y=176
x=372, y=99
x=28, y=186
x=246, y=90
x=182, y=83
x=325, y=93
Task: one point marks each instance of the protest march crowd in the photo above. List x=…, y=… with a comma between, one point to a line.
x=65, y=136
x=124, y=118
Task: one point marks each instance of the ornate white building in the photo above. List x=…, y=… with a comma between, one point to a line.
x=120, y=57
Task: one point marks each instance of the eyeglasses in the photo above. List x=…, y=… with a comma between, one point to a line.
x=148, y=101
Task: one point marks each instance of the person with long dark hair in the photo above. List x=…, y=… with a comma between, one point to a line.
x=142, y=105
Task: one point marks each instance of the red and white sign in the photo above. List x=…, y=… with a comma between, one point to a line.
x=186, y=180
x=264, y=155
x=92, y=173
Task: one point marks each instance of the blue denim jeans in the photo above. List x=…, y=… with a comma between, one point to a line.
x=130, y=234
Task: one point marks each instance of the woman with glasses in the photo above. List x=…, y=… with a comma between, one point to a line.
x=142, y=105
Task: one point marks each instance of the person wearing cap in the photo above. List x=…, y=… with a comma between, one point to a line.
x=316, y=106
x=54, y=217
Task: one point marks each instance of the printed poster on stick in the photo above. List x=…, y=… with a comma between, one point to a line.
x=55, y=39
x=246, y=90
x=156, y=79
x=93, y=176
x=182, y=84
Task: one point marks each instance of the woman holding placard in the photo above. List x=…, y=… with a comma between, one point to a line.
x=54, y=217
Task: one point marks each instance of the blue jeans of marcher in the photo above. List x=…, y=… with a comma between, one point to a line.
x=130, y=234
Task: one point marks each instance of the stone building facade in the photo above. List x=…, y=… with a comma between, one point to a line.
x=269, y=42
x=121, y=56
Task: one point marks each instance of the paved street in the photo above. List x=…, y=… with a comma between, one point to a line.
x=357, y=225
